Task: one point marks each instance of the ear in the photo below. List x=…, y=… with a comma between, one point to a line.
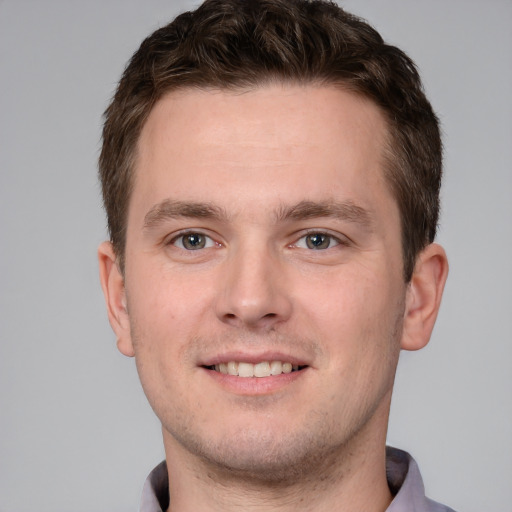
x=423, y=297
x=112, y=283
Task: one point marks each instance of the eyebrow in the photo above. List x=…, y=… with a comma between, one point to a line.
x=171, y=209
x=343, y=210
x=347, y=211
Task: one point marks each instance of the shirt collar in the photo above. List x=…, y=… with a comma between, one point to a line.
x=402, y=473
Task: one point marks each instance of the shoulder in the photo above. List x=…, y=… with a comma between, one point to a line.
x=406, y=484
x=434, y=506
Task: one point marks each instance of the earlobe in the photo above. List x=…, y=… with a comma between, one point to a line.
x=424, y=297
x=112, y=283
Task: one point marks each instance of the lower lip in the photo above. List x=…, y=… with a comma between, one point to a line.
x=255, y=385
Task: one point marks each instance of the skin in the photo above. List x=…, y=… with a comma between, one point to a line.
x=260, y=174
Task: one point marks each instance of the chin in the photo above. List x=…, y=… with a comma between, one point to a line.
x=267, y=456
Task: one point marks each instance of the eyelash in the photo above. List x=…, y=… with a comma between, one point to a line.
x=332, y=238
x=181, y=236
x=210, y=242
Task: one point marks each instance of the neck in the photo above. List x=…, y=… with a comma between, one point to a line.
x=352, y=478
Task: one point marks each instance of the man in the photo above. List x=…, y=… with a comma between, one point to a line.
x=271, y=174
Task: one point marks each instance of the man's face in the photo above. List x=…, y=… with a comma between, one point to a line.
x=262, y=236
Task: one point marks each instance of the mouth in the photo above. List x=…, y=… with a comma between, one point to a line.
x=258, y=370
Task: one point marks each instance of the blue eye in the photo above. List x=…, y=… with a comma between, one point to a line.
x=193, y=241
x=317, y=241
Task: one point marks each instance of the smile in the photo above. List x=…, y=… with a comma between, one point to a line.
x=262, y=369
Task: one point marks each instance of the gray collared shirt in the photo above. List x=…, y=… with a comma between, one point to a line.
x=402, y=472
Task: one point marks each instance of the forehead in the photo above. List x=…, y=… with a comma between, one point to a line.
x=293, y=139
x=299, y=108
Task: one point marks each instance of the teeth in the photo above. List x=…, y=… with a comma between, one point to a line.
x=232, y=368
x=263, y=369
x=276, y=368
x=245, y=370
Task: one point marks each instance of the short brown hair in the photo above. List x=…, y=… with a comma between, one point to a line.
x=244, y=43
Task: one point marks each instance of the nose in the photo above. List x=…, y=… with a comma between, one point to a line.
x=254, y=293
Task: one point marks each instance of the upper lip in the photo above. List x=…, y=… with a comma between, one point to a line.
x=254, y=358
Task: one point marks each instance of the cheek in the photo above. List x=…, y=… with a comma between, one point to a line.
x=165, y=299
x=357, y=313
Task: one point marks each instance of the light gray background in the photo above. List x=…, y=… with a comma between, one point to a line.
x=75, y=430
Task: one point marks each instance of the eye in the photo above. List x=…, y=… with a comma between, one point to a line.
x=317, y=241
x=193, y=241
